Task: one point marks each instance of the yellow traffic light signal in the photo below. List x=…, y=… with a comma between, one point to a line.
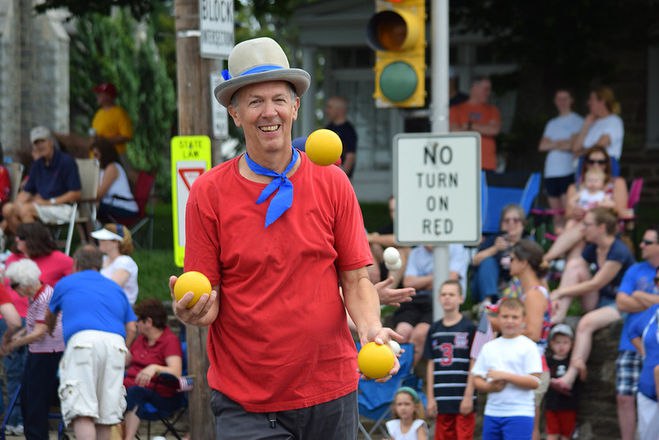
x=397, y=32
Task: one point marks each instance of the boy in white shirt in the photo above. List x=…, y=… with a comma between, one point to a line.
x=508, y=368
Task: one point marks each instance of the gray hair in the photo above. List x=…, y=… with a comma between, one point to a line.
x=24, y=272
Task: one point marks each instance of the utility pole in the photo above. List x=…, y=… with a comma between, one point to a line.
x=194, y=118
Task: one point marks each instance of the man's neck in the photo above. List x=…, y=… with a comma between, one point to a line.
x=605, y=242
x=339, y=120
x=276, y=161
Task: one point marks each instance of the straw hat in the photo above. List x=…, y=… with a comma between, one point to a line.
x=259, y=60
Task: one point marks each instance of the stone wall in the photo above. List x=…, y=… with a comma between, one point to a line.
x=34, y=79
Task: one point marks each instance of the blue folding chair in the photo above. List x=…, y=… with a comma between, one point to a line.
x=501, y=189
x=375, y=398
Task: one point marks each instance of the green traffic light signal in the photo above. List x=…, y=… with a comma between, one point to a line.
x=398, y=81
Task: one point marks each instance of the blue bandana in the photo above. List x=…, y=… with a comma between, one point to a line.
x=284, y=197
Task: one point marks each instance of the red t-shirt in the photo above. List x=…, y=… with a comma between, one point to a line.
x=144, y=355
x=479, y=114
x=281, y=340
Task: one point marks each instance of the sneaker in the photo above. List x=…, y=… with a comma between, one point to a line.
x=14, y=430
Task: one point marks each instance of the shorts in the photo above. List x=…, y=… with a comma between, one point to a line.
x=557, y=186
x=333, y=420
x=561, y=422
x=54, y=213
x=92, y=377
x=628, y=371
x=648, y=417
x=414, y=312
x=455, y=426
x=512, y=427
x=606, y=301
x=540, y=392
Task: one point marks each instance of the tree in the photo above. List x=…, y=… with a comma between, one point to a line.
x=79, y=8
x=120, y=50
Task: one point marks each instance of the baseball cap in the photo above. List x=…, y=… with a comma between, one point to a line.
x=106, y=87
x=561, y=329
x=38, y=133
x=104, y=234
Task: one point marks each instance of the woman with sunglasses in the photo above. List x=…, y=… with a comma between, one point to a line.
x=492, y=261
x=603, y=125
x=570, y=241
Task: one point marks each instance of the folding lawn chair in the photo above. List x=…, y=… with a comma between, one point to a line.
x=501, y=189
x=375, y=398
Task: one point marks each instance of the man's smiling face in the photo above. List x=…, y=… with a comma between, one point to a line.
x=265, y=111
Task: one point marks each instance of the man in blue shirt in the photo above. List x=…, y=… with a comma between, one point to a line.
x=53, y=184
x=97, y=324
x=636, y=293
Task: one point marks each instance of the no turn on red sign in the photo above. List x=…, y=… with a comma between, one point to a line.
x=437, y=188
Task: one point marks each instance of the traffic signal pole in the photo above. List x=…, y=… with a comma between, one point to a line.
x=439, y=62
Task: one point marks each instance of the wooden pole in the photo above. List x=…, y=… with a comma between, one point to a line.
x=194, y=119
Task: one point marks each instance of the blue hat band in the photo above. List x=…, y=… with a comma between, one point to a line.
x=258, y=69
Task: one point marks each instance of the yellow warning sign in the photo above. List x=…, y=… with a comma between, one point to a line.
x=191, y=157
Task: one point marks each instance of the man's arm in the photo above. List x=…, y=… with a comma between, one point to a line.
x=363, y=305
x=349, y=162
x=629, y=303
x=67, y=197
x=131, y=333
x=467, y=403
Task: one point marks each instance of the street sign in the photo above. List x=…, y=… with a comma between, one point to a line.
x=216, y=27
x=437, y=188
x=219, y=113
x=191, y=157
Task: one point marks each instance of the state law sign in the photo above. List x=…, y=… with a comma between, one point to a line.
x=437, y=182
x=216, y=28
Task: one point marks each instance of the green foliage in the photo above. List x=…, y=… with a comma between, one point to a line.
x=120, y=50
x=155, y=268
x=138, y=8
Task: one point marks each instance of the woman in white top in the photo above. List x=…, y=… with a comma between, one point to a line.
x=114, y=195
x=115, y=241
x=602, y=126
x=557, y=142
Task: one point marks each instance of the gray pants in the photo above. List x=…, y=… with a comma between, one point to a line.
x=334, y=420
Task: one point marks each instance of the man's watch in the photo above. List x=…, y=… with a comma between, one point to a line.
x=52, y=201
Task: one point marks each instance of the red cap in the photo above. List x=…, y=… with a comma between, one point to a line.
x=108, y=88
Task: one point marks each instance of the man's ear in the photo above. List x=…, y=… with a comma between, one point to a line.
x=233, y=112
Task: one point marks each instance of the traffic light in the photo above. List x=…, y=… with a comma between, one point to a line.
x=397, y=32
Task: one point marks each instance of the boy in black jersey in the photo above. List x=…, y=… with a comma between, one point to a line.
x=449, y=386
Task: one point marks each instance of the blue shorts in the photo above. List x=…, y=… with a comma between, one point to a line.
x=557, y=186
x=507, y=428
x=628, y=371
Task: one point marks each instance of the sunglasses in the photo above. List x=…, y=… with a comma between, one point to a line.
x=15, y=286
x=20, y=237
x=648, y=243
x=596, y=161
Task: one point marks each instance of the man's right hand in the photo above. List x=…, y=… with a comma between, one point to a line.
x=202, y=314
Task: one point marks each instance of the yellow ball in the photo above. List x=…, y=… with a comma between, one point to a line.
x=375, y=361
x=195, y=282
x=323, y=147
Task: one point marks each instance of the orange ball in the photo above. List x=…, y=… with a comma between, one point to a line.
x=192, y=281
x=375, y=361
x=324, y=147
